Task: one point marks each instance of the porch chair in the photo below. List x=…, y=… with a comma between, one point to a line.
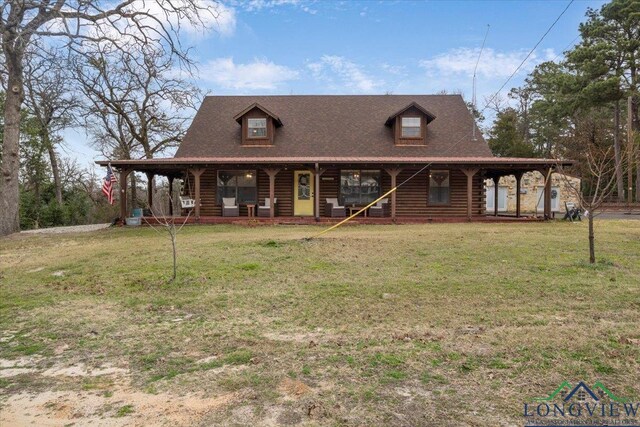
x=229, y=207
x=265, y=211
x=572, y=212
x=334, y=210
x=380, y=209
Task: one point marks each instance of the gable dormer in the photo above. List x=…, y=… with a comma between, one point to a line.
x=410, y=125
x=258, y=125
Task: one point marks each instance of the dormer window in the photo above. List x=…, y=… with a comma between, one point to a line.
x=257, y=128
x=411, y=127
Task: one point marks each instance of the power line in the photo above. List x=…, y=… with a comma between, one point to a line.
x=473, y=96
x=566, y=48
x=459, y=140
x=498, y=91
x=528, y=55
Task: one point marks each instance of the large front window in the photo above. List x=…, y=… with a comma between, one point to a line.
x=238, y=184
x=359, y=187
x=257, y=128
x=439, y=187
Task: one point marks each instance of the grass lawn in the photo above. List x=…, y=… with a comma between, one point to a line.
x=437, y=324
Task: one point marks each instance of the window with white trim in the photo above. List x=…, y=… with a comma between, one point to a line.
x=411, y=127
x=257, y=128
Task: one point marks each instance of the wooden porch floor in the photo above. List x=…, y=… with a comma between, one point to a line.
x=286, y=220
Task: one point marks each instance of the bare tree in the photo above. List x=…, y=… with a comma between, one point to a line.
x=137, y=105
x=596, y=169
x=77, y=23
x=496, y=103
x=163, y=223
x=49, y=99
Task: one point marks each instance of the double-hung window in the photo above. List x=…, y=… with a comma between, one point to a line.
x=257, y=128
x=411, y=127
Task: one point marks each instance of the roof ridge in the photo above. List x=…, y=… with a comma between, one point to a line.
x=337, y=95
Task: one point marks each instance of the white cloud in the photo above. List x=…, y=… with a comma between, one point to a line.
x=398, y=70
x=191, y=18
x=492, y=64
x=225, y=22
x=350, y=75
x=259, y=74
x=211, y=15
x=258, y=5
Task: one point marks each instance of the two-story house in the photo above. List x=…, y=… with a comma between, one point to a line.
x=321, y=156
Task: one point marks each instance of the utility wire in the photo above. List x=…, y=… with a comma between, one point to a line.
x=473, y=100
x=455, y=143
x=529, y=54
x=473, y=96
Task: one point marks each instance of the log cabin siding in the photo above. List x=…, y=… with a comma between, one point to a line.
x=329, y=187
x=283, y=191
x=412, y=197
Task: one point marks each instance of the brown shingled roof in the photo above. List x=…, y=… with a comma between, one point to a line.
x=334, y=126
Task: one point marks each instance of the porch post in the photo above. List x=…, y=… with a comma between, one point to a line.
x=196, y=183
x=272, y=190
x=150, y=176
x=518, y=176
x=393, y=173
x=547, y=194
x=316, y=196
x=124, y=173
x=170, y=196
x=496, y=181
x=470, y=173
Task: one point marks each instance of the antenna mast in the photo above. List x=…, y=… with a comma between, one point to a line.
x=473, y=96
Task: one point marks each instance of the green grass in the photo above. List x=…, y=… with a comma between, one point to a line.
x=124, y=411
x=370, y=318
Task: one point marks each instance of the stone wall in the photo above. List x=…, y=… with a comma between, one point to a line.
x=531, y=189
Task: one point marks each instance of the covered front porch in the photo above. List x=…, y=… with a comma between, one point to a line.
x=297, y=192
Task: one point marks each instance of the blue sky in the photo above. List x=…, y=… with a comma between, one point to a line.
x=371, y=47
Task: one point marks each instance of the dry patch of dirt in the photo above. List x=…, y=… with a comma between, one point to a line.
x=59, y=408
x=293, y=389
x=81, y=370
x=22, y=365
x=115, y=405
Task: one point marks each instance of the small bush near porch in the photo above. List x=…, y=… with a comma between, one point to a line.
x=447, y=324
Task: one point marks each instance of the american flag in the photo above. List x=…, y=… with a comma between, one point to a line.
x=107, y=184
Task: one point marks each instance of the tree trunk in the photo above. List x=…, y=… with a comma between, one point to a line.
x=134, y=196
x=9, y=169
x=638, y=174
x=36, y=196
x=53, y=159
x=172, y=232
x=592, y=248
x=618, y=153
x=630, y=150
